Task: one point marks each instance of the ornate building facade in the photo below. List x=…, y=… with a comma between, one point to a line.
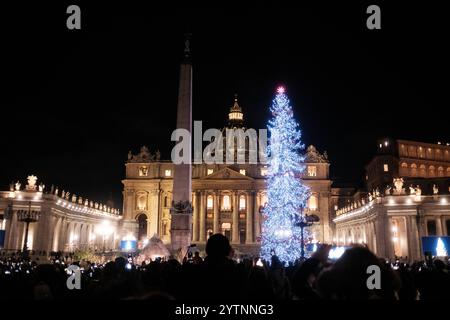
x=409, y=199
x=58, y=220
x=226, y=198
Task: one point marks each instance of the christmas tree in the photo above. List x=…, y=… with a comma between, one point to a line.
x=286, y=192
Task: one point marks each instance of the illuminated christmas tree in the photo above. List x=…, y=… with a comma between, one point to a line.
x=286, y=192
x=441, y=251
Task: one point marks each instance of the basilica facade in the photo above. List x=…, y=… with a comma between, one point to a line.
x=226, y=198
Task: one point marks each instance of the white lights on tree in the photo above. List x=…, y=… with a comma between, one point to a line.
x=286, y=194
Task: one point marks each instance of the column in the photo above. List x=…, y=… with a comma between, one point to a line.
x=439, y=226
x=235, y=226
x=216, y=212
x=444, y=226
x=249, y=218
x=11, y=229
x=202, y=237
x=195, y=218
x=256, y=217
x=415, y=240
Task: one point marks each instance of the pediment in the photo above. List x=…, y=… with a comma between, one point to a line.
x=227, y=174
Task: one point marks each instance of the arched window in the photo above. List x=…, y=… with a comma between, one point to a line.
x=431, y=171
x=226, y=203
x=414, y=170
x=242, y=202
x=448, y=172
x=404, y=169
x=142, y=226
x=313, y=202
x=209, y=202
x=440, y=171
x=422, y=170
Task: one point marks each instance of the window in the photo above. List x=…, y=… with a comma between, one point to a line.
x=264, y=172
x=210, y=171
x=168, y=173
x=431, y=171
x=142, y=201
x=226, y=203
x=235, y=116
x=385, y=167
x=143, y=171
x=242, y=202
x=312, y=202
x=421, y=155
x=414, y=170
x=312, y=171
x=422, y=170
x=242, y=171
x=209, y=202
x=431, y=227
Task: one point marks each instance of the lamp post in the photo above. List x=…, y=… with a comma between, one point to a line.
x=27, y=216
x=105, y=230
x=305, y=221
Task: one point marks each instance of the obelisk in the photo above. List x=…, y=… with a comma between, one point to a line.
x=181, y=211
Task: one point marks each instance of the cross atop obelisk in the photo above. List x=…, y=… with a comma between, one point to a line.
x=181, y=211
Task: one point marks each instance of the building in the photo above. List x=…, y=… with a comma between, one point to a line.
x=410, y=160
x=226, y=198
x=410, y=183
x=59, y=221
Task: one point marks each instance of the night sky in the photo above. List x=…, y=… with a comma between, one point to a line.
x=74, y=102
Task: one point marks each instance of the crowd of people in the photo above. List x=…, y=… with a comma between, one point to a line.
x=220, y=278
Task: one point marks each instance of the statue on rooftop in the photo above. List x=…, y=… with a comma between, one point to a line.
x=435, y=189
x=31, y=182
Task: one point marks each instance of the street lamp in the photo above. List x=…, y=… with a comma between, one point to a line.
x=27, y=216
x=305, y=221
